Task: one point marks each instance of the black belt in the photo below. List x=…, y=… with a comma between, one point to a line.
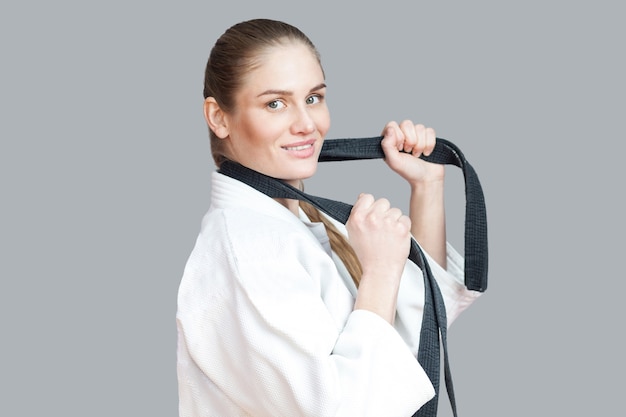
x=434, y=322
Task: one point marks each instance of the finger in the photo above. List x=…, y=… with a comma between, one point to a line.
x=420, y=132
x=392, y=144
x=410, y=135
x=364, y=201
x=381, y=206
x=389, y=142
x=393, y=134
x=360, y=209
x=406, y=221
x=431, y=141
x=395, y=213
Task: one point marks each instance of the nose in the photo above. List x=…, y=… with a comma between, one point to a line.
x=303, y=123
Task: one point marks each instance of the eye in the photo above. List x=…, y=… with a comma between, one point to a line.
x=275, y=105
x=314, y=99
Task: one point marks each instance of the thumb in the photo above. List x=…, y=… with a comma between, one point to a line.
x=390, y=141
x=392, y=145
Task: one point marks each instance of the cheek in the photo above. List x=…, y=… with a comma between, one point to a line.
x=255, y=133
x=323, y=121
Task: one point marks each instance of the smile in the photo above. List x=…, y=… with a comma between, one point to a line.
x=298, y=148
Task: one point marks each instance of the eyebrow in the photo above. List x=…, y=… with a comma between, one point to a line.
x=289, y=93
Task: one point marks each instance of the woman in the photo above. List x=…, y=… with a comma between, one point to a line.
x=281, y=310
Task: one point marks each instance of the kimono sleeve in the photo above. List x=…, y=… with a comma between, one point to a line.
x=258, y=327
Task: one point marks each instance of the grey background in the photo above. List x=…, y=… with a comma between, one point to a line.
x=104, y=173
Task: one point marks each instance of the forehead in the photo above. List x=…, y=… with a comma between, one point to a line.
x=289, y=66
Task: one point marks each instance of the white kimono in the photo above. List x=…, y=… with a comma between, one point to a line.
x=266, y=325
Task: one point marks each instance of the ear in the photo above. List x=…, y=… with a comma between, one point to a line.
x=216, y=118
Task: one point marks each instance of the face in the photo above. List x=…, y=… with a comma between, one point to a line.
x=280, y=118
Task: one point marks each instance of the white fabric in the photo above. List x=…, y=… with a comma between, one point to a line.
x=266, y=325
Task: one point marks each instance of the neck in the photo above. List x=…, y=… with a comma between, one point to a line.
x=292, y=205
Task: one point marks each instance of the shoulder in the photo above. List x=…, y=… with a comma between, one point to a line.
x=245, y=227
x=243, y=242
x=247, y=215
x=257, y=256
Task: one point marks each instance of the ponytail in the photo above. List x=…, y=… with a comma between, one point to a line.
x=338, y=243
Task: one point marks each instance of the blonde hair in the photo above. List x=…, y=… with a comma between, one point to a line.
x=338, y=243
x=234, y=54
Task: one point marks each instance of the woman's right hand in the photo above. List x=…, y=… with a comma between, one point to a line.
x=380, y=236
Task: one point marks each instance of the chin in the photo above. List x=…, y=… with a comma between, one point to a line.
x=308, y=173
x=300, y=173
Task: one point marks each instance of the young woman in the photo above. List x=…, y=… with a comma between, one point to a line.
x=281, y=310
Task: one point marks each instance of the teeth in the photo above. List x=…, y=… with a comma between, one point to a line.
x=299, y=148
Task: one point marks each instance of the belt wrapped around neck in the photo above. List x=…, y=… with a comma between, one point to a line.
x=434, y=322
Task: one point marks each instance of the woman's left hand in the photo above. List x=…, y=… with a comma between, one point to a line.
x=414, y=140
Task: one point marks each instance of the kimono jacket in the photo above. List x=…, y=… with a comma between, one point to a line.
x=266, y=325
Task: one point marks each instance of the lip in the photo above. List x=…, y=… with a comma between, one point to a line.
x=302, y=149
x=301, y=143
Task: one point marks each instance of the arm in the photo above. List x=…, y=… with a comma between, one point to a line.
x=426, y=180
x=379, y=235
x=428, y=220
x=280, y=337
x=428, y=223
x=410, y=300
